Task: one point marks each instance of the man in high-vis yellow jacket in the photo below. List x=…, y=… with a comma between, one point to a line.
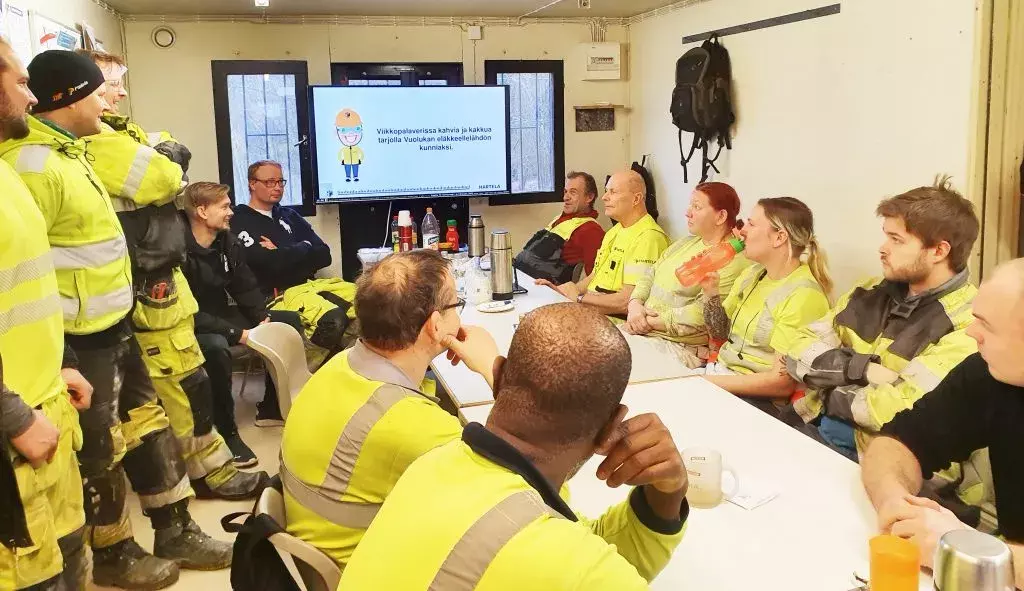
x=628, y=251
x=94, y=282
x=143, y=183
x=366, y=415
x=486, y=513
x=890, y=341
x=38, y=421
x=566, y=248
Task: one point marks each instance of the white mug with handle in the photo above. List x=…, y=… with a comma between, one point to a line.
x=704, y=468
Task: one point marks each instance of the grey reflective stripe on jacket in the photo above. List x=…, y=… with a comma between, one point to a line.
x=762, y=331
x=473, y=553
x=97, y=306
x=32, y=158
x=826, y=340
x=672, y=298
x=140, y=164
x=354, y=515
x=89, y=256
x=31, y=311
x=325, y=498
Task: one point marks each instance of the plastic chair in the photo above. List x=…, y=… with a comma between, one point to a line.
x=319, y=572
x=282, y=349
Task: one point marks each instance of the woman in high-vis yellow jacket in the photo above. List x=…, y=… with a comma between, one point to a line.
x=666, y=320
x=770, y=302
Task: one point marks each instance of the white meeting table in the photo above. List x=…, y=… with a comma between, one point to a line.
x=469, y=389
x=812, y=537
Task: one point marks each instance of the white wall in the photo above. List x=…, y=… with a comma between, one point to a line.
x=839, y=111
x=172, y=89
x=73, y=12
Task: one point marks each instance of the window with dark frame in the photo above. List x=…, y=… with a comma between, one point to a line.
x=261, y=113
x=537, y=127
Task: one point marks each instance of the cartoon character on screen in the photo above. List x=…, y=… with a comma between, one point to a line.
x=350, y=133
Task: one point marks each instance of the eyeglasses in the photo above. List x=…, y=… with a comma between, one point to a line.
x=269, y=183
x=459, y=305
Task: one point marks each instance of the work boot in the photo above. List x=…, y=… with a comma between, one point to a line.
x=184, y=543
x=241, y=486
x=128, y=566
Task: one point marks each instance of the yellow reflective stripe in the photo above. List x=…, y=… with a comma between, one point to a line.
x=32, y=158
x=473, y=553
x=98, y=306
x=29, y=312
x=178, y=492
x=25, y=271
x=924, y=378
x=89, y=256
x=344, y=513
x=137, y=172
x=153, y=138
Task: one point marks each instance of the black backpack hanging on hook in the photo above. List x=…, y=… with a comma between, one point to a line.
x=702, y=102
x=651, y=199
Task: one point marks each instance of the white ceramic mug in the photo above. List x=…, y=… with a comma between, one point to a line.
x=704, y=468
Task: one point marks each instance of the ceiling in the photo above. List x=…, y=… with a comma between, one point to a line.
x=490, y=8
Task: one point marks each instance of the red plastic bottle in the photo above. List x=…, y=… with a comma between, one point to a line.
x=452, y=236
x=693, y=271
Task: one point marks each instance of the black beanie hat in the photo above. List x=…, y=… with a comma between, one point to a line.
x=60, y=78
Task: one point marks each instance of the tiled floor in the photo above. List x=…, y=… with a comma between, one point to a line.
x=265, y=442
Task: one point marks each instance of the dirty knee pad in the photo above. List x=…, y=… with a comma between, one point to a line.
x=104, y=497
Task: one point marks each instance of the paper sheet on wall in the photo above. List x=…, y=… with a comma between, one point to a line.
x=18, y=32
x=49, y=34
x=89, y=39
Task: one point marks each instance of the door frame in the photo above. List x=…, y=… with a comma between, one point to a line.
x=996, y=147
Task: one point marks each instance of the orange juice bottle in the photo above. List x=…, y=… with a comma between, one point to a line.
x=694, y=270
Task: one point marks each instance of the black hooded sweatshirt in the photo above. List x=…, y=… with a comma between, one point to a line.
x=214, y=274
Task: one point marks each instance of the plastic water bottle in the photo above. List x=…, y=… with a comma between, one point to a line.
x=693, y=271
x=478, y=284
x=431, y=230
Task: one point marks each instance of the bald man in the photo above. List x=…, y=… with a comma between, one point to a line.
x=486, y=512
x=628, y=251
x=980, y=404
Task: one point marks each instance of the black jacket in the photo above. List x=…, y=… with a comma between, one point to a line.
x=299, y=254
x=215, y=273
